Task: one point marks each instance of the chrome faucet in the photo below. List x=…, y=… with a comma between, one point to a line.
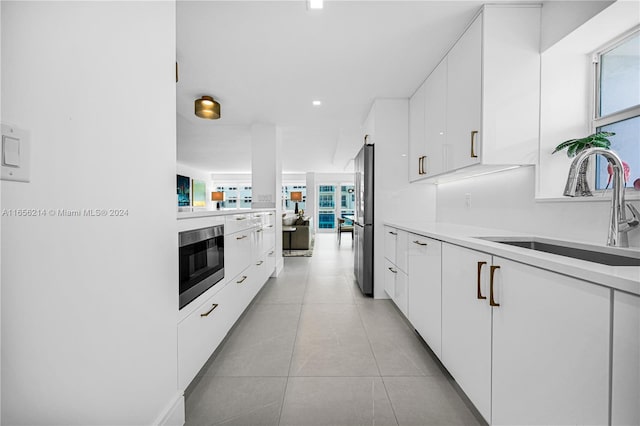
x=619, y=225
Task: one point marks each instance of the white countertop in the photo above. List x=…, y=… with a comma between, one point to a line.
x=196, y=212
x=625, y=278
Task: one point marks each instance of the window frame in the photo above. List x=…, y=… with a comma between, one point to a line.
x=598, y=120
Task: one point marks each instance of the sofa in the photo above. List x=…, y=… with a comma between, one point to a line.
x=301, y=237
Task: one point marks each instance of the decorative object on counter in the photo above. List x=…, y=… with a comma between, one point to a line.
x=184, y=190
x=296, y=196
x=636, y=184
x=301, y=214
x=627, y=172
x=207, y=108
x=575, y=146
x=199, y=193
x=217, y=196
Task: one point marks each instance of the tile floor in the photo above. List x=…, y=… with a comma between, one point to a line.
x=311, y=350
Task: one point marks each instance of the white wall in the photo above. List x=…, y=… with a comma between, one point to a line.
x=506, y=200
x=395, y=198
x=89, y=304
x=559, y=18
x=193, y=173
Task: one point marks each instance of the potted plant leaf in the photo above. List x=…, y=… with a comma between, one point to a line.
x=574, y=146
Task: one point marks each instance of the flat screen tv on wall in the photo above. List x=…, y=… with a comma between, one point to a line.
x=184, y=190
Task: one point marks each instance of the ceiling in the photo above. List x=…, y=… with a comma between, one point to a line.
x=266, y=61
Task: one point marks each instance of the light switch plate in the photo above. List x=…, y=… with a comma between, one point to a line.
x=16, y=154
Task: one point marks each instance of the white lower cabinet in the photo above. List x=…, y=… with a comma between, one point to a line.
x=625, y=397
x=527, y=346
x=424, y=305
x=550, y=348
x=466, y=323
x=201, y=332
x=237, y=252
x=396, y=286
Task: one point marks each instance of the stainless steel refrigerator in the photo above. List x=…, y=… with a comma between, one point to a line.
x=363, y=220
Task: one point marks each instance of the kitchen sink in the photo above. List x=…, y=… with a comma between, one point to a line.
x=612, y=256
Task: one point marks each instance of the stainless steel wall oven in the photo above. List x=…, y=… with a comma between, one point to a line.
x=201, y=254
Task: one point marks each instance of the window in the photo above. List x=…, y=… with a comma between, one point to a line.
x=326, y=207
x=235, y=196
x=347, y=203
x=618, y=104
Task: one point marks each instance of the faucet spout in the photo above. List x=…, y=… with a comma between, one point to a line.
x=618, y=223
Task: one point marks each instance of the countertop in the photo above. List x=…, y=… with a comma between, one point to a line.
x=195, y=212
x=624, y=278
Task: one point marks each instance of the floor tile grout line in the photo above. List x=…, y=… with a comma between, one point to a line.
x=393, y=410
x=293, y=347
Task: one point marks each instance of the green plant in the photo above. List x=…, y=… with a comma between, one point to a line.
x=574, y=146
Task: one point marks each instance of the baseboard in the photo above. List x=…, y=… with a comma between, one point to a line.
x=173, y=414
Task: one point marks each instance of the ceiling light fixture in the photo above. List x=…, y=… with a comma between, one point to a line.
x=314, y=4
x=207, y=108
x=316, y=103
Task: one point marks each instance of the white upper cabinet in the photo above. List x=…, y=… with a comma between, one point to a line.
x=481, y=104
x=463, y=101
x=417, y=151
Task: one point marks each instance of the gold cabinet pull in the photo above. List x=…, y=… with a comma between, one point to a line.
x=422, y=170
x=241, y=238
x=480, y=296
x=270, y=253
x=258, y=230
x=393, y=270
x=492, y=302
x=474, y=133
x=206, y=314
x=244, y=277
x=419, y=243
x=420, y=165
x=259, y=263
x=393, y=233
x=269, y=226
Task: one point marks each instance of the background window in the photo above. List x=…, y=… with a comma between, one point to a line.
x=618, y=105
x=235, y=197
x=326, y=207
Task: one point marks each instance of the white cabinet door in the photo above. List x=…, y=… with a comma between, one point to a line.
x=417, y=151
x=237, y=253
x=201, y=332
x=466, y=323
x=390, y=272
x=464, y=90
x=424, y=271
x=625, y=398
x=390, y=243
x=401, y=295
x=401, y=250
x=550, y=348
x=435, y=161
x=257, y=244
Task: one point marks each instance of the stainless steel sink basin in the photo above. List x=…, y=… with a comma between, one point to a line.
x=611, y=256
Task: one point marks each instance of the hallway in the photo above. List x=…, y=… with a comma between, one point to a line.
x=311, y=350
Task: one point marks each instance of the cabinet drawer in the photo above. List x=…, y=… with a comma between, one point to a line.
x=200, y=333
x=237, y=252
x=390, y=243
x=238, y=222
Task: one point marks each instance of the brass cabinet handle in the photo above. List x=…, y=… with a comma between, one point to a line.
x=241, y=238
x=270, y=214
x=393, y=270
x=258, y=230
x=419, y=243
x=271, y=252
x=474, y=133
x=269, y=226
x=420, y=165
x=244, y=277
x=492, y=302
x=393, y=233
x=206, y=314
x=480, y=296
x=259, y=263
x=422, y=171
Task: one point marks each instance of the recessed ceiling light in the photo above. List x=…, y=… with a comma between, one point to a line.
x=314, y=4
x=316, y=103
